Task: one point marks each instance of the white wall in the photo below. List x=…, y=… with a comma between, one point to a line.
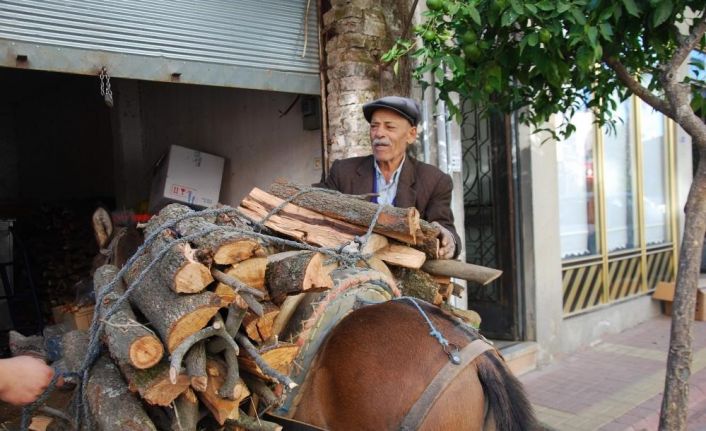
x=246, y=127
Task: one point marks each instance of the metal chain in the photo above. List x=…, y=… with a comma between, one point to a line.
x=106, y=92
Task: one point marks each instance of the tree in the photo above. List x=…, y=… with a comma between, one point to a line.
x=541, y=57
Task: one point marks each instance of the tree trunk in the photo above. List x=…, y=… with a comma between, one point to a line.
x=174, y=316
x=127, y=339
x=113, y=407
x=675, y=401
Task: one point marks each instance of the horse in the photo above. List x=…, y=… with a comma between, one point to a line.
x=373, y=371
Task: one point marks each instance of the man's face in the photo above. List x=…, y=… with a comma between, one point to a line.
x=389, y=135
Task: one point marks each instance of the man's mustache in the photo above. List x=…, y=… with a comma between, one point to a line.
x=380, y=141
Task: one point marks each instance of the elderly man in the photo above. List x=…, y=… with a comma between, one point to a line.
x=397, y=178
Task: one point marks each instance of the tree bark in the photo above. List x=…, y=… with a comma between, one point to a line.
x=195, y=360
x=174, y=316
x=675, y=403
x=112, y=405
x=186, y=412
x=291, y=273
x=417, y=283
x=154, y=384
x=127, y=339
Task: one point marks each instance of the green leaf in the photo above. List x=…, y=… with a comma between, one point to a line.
x=396, y=67
x=592, y=33
x=606, y=31
x=631, y=7
x=532, y=39
x=545, y=5
x=584, y=58
x=563, y=7
x=578, y=16
x=530, y=7
x=663, y=11
x=473, y=13
x=517, y=7
x=509, y=17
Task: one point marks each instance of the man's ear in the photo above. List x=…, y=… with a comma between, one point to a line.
x=413, y=134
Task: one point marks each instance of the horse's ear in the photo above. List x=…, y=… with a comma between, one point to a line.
x=102, y=226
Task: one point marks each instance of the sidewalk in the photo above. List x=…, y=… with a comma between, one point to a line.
x=617, y=383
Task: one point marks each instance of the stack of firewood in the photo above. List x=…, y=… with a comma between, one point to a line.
x=201, y=339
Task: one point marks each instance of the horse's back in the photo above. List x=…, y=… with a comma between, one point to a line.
x=377, y=362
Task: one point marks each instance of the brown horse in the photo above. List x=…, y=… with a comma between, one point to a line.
x=379, y=360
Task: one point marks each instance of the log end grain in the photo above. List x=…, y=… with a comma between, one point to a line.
x=237, y=251
x=145, y=352
x=193, y=277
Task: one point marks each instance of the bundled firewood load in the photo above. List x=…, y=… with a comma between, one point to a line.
x=207, y=338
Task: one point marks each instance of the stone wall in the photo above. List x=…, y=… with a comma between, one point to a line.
x=357, y=33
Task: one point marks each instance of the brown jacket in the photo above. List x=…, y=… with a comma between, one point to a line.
x=421, y=185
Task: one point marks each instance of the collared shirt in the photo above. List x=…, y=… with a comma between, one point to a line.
x=387, y=191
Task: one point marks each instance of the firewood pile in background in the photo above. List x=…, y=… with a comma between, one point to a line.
x=207, y=338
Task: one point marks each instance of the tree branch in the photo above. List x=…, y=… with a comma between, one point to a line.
x=638, y=89
x=685, y=48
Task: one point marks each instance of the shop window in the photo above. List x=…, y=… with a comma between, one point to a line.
x=577, y=197
x=620, y=182
x=614, y=207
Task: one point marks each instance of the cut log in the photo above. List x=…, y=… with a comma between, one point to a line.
x=112, y=405
x=298, y=223
x=279, y=357
x=292, y=273
x=226, y=247
x=418, y=284
x=401, y=255
x=260, y=328
x=251, y=272
x=174, y=316
x=127, y=339
x=263, y=391
x=374, y=243
x=465, y=271
x=179, y=268
x=74, y=345
x=154, y=384
x=399, y=223
x=186, y=412
x=221, y=408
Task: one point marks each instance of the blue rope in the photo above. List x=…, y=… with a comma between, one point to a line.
x=433, y=331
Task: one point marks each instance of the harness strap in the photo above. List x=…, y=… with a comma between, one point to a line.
x=419, y=411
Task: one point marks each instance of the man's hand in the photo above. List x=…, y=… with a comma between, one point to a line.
x=447, y=246
x=23, y=379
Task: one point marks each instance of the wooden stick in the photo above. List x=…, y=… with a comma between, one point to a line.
x=466, y=271
x=251, y=424
x=196, y=366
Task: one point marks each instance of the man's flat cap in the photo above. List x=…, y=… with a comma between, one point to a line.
x=404, y=106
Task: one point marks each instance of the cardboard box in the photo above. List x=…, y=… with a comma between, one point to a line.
x=665, y=293
x=74, y=317
x=187, y=176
